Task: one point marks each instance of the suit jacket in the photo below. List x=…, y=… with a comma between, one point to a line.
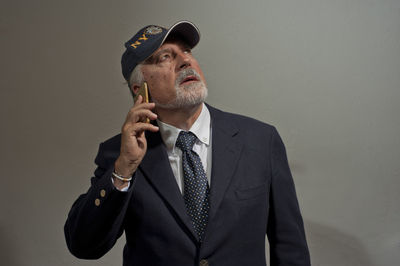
x=251, y=194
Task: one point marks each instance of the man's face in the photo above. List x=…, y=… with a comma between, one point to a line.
x=174, y=77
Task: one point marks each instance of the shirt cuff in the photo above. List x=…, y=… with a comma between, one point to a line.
x=125, y=189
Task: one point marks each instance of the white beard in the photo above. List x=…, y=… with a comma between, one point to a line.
x=188, y=95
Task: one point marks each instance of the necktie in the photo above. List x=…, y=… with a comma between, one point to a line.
x=196, y=189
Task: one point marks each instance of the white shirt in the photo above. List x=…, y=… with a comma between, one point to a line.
x=169, y=134
x=202, y=129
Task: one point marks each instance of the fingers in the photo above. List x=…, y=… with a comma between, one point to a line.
x=137, y=128
x=140, y=115
x=141, y=112
x=133, y=140
x=139, y=99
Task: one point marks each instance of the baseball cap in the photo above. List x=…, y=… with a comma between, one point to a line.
x=147, y=40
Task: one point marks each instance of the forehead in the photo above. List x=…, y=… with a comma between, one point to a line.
x=171, y=42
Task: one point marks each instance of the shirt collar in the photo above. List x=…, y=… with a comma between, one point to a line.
x=201, y=128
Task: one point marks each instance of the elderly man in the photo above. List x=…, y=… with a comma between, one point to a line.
x=196, y=186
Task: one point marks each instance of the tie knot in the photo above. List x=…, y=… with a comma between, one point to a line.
x=185, y=141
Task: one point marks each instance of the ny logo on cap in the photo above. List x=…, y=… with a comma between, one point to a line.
x=151, y=30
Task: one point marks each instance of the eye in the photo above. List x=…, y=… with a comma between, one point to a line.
x=187, y=51
x=164, y=57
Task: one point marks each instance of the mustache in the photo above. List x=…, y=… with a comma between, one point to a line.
x=186, y=73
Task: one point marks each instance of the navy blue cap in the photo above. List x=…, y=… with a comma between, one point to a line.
x=147, y=40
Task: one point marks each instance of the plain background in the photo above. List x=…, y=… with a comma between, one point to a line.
x=325, y=73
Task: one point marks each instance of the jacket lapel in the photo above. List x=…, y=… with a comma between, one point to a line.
x=157, y=169
x=226, y=149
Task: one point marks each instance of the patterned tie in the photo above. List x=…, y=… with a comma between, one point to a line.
x=196, y=190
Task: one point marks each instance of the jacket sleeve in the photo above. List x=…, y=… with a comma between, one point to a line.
x=285, y=229
x=95, y=221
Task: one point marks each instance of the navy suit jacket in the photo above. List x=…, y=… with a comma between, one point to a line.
x=251, y=194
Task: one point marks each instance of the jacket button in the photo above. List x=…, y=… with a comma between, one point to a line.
x=102, y=193
x=203, y=263
x=97, y=202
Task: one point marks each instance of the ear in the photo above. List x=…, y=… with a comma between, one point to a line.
x=135, y=88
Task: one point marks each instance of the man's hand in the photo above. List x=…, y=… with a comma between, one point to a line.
x=133, y=140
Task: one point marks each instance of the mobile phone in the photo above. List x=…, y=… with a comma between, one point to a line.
x=144, y=91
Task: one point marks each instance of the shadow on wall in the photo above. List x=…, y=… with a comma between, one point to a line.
x=9, y=252
x=330, y=247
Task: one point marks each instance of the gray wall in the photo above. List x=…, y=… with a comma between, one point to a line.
x=325, y=73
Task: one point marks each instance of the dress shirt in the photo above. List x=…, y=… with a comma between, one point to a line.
x=202, y=129
x=169, y=134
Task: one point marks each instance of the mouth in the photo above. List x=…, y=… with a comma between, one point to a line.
x=189, y=79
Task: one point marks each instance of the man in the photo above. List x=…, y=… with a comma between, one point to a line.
x=196, y=186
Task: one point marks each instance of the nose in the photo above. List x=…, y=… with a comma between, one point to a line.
x=184, y=60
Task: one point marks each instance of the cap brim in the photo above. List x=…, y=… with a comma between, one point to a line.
x=186, y=30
